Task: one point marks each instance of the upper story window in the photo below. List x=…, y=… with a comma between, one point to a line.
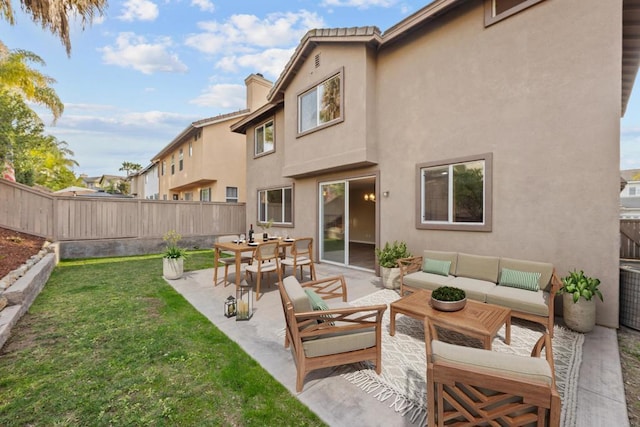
x=173, y=164
x=190, y=148
x=180, y=160
x=264, y=138
x=632, y=191
x=164, y=167
x=320, y=106
x=232, y=194
x=276, y=205
x=496, y=10
x=455, y=194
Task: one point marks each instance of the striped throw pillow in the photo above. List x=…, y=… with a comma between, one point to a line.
x=435, y=266
x=519, y=279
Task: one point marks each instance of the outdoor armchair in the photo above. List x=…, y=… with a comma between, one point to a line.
x=474, y=386
x=334, y=335
x=301, y=256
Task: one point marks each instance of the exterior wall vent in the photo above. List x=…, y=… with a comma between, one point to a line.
x=317, y=60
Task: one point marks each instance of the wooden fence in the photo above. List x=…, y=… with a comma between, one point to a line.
x=94, y=218
x=630, y=238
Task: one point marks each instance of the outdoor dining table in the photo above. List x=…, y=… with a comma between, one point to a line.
x=238, y=249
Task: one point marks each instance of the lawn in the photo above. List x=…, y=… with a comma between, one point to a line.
x=109, y=342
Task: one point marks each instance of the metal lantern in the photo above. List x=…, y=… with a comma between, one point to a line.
x=230, y=307
x=244, y=301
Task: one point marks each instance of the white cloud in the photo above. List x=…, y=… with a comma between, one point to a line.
x=204, y=5
x=249, y=33
x=269, y=62
x=135, y=52
x=139, y=10
x=223, y=96
x=360, y=4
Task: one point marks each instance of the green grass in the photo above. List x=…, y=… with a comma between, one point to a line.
x=109, y=342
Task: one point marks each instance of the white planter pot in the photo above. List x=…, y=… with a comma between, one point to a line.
x=390, y=277
x=172, y=268
x=579, y=316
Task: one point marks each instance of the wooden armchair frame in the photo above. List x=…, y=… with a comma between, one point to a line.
x=413, y=264
x=460, y=394
x=323, y=323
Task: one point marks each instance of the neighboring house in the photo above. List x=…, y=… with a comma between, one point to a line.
x=103, y=182
x=630, y=194
x=476, y=126
x=92, y=182
x=145, y=183
x=206, y=162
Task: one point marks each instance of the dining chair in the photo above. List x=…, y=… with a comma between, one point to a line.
x=301, y=255
x=230, y=258
x=266, y=259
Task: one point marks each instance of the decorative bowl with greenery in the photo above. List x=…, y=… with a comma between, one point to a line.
x=448, y=298
x=389, y=255
x=579, y=285
x=172, y=250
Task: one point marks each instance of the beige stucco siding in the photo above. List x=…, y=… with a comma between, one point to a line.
x=542, y=93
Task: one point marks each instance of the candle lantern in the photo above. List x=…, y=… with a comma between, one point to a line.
x=244, y=301
x=230, y=307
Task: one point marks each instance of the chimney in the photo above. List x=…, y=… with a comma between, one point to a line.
x=257, y=90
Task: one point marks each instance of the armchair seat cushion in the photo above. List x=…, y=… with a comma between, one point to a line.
x=513, y=366
x=340, y=343
x=536, y=303
x=475, y=289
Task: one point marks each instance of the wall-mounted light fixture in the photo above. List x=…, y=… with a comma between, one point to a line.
x=369, y=197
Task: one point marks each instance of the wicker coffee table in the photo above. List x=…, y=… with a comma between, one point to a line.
x=478, y=320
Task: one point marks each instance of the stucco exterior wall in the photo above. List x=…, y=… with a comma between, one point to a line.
x=541, y=91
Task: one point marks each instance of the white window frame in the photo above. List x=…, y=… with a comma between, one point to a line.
x=232, y=198
x=450, y=223
x=264, y=126
x=317, y=89
x=491, y=17
x=205, y=194
x=180, y=160
x=262, y=212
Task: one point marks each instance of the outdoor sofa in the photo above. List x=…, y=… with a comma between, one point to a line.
x=528, y=288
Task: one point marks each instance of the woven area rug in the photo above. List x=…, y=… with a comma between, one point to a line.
x=402, y=383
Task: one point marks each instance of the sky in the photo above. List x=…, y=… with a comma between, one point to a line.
x=140, y=74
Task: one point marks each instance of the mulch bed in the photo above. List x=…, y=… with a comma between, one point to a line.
x=16, y=248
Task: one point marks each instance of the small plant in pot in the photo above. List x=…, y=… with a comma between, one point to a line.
x=388, y=258
x=579, y=305
x=265, y=226
x=448, y=298
x=173, y=256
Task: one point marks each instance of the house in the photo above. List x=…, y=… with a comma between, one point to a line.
x=206, y=161
x=630, y=194
x=470, y=126
x=144, y=183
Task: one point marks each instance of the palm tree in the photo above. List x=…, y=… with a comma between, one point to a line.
x=16, y=76
x=53, y=15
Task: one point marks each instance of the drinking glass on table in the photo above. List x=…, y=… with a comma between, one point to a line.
x=242, y=236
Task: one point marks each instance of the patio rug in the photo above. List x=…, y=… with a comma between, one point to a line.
x=402, y=383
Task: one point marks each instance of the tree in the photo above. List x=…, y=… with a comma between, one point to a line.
x=53, y=15
x=130, y=167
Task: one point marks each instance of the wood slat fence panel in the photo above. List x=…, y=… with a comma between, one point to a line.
x=630, y=238
x=91, y=218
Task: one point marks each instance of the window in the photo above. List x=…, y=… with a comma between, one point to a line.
x=264, y=138
x=632, y=191
x=180, y=160
x=188, y=196
x=321, y=105
x=190, y=148
x=205, y=195
x=164, y=166
x=232, y=194
x=276, y=205
x=496, y=10
x=455, y=194
x=173, y=164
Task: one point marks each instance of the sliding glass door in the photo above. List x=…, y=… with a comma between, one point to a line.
x=333, y=212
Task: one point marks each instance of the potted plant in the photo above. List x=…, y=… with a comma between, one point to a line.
x=388, y=258
x=579, y=304
x=265, y=226
x=173, y=256
x=448, y=298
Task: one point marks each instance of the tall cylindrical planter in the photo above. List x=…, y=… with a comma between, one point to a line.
x=579, y=316
x=172, y=268
x=390, y=277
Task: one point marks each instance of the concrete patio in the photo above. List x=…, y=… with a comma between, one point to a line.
x=601, y=398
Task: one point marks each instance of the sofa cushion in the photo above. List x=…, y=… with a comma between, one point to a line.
x=428, y=281
x=544, y=268
x=297, y=295
x=340, y=343
x=478, y=267
x=435, y=266
x=526, y=280
x=518, y=300
x=442, y=256
x=474, y=288
x=480, y=360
